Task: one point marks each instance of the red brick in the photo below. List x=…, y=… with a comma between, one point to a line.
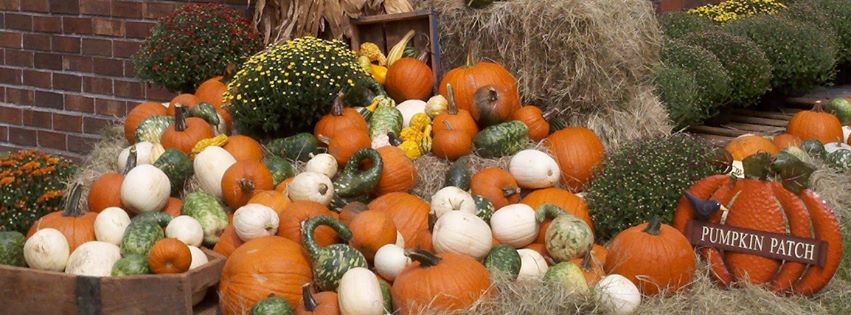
x=19, y=58
x=129, y=89
x=37, y=41
x=48, y=61
x=110, y=67
x=95, y=85
x=2, y=20
x=21, y=136
x=10, y=115
x=154, y=10
x=66, y=44
x=108, y=27
x=75, y=25
x=2, y=93
x=53, y=140
x=80, y=144
x=10, y=39
x=129, y=69
x=77, y=63
x=10, y=76
x=67, y=82
x=95, y=7
x=48, y=99
x=140, y=30
x=38, y=119
x=10, y=5
x=670, y=5
x=127, y=9
x=35, y=6
x=97, y=47
x=19, y=22
x=93, y=125
x=64, y=6
x=4, y=133
x=38, y=79
x=110, y=107
x=125, y=49
x=47, y=24
x=157, y=93
x=79, y=103
x=70, y=123
x=19, y=96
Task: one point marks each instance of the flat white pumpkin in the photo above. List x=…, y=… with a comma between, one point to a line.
x=617, y=294
x=359, y=293
x=389, y=261
x=110, y=225
x=462, y=233
x=311, y=186
x=322, y=163
x=533, y=266
x=255, y=220
x=198, y=257
x=94, y=259
x=410, y=108
x=185, y=229
x=534, y=169
x=47, y=249
x=515, y=225
x=451, y=198
x=210, y=166
x=836, y=146
x=146, y=153
x=145, y=189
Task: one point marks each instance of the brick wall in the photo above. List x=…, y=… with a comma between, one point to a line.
x=677, y=5
x=65, y=71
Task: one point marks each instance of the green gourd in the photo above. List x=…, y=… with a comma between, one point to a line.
x=272, y=305
x=206, y=112
x=297, y=147
x=280, y=168
x=140, y=236
x=12, y=249
x=484, y=208
x=387, y=294
x=330, y=263
x=356, y=182
x=567, y=237
x=502, y=139
x=152, y=128
x=840, y=160
x=206, y=209
x=131, y=265
x=504, y=259
x=177, y=166
x=385, y=119
x=459, y=174
x=814, y=148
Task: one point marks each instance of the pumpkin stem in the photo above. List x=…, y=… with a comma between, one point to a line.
x=586, y=261
x=131, y=160
x=423, y=56
x=230, y=72
x=654, y=226
x=547, y=210
x=510, y=191
x=337, y=106
x=309, y=227
x=323, y=188
x=424, y=257
x=471, y=56
x=818, y=107
x=246, y=185
x=451, y=108
x=704, y=208
x=307, y=296
x=394, y=140
x=72, y=204
x=179, y=117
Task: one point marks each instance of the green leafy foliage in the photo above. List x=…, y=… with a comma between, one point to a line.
x=32, y=184
x=831, y=15
x=712, y=80
x=679, y=24
x=678, y=91
x=644, y=178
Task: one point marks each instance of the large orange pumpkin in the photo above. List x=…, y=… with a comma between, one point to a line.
x=445, y=282
x=346, y=142
x=298, y=211
x=578, y=152
x=567, y=201
x=212, y=91
x=169, y=255
x=535, y=120
x=340, y=118
x=185, y=132
x=272, y=199
x=244, y=148
x=372, y=229
x=466, y=80
x=815, y=124
x=322, y=303
x=494, y=104
x=139, y=114
x=263, y=266
x=398, y=174
x=496, y=185
x=242, y=179
x=451, y=143
x=228, y=242
x=77, y=226
x=747, y=145
x=409, y=214
x=786, y=140
x=409, y=79
x=654, y=256
x=105, y=192
x=455, y=118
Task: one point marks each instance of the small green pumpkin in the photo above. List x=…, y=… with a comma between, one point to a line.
x=12, y=249
x=152, y=128
x=206, y=112
x=839, y=160
x=505, y=259
x=502, y=139
x=131, y=265
x=280, y=168
x=388, y=296
x=330, y=263
x=385, y=119
x=567, y=237
x=356, y=182
x=177, y=166
x=459, y=174
x=814, y=148
x=272, y=305
x=159, y=218
x=206, y=209
x=140, y=236
x=484, y=208
x=297, y=147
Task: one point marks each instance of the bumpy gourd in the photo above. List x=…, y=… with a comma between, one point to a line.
x=503, y=139
x=567, y=237
x=354, y=182
x=330, y=263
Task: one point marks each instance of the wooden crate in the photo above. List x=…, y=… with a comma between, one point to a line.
x=386, y=30
x=30, y=291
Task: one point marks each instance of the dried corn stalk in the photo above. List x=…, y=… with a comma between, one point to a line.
x=397, y=6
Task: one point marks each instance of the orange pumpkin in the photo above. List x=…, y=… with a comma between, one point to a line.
x=322, y=303
x=747, y=145
x=398, y=174
x=340, y=118
x=423, y=241
x=578, y=152
x=372, y=229
x=409, y=79
x=591, y=269
x=228, y=242
x=450, y=143
x=186, y=100
x=105, y=192
x=493, y=105
x=786, y=140
x=244, y=148
x=225, y=115
x=298, y=211
x=433, y=281
x=138, y=114
x=212, y=91
x=455, y=118
x=169, y=255
x=77, y=226
x=272, y=199
x=466, y=80
x=815, y=124
x=263, y=266
x=172, y=206
x=497, y=185
x=185, y=132
x=346, y=142
x=282, y=186
x=242, y=179
x=351, y=210
x=535, y=120
x=567, y=201
x=654, y=256
x=410, y=215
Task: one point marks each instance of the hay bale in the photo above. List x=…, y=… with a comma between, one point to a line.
x=588, y=57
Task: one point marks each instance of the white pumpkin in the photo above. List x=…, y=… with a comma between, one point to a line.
x=400, y=241
x=462, y=233
x=110, y=225
x=836, y=146
x=389, y=261
x=534, y=169
x=533, y=266
x=617, y=294
x=311, y=186
x=322, y=163
x=145, y=189
x=94, y=259
x=255, y=220
x=198, y=257
x=737, y=169
x=47, y=249
x=410, y=108
x=359, y=293
x=515, y=225
x=210, y=166
x=451, y=198
x=185, y=229
x=146, y=153
x=436, y=105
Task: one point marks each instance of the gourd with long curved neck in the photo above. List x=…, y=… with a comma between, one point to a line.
x=330, y=263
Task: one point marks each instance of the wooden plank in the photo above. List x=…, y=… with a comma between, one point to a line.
x=391, y=17
x=762, y=129
x=716, y=131
x=714, y=139
x=760, y=121
x=760, y=114
x=31, y=291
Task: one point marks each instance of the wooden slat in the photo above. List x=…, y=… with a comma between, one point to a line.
x=753, y=128
x=717, y=131
x=391, y=17
x=760, y=121
x=714, y=139
x=760, y=114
